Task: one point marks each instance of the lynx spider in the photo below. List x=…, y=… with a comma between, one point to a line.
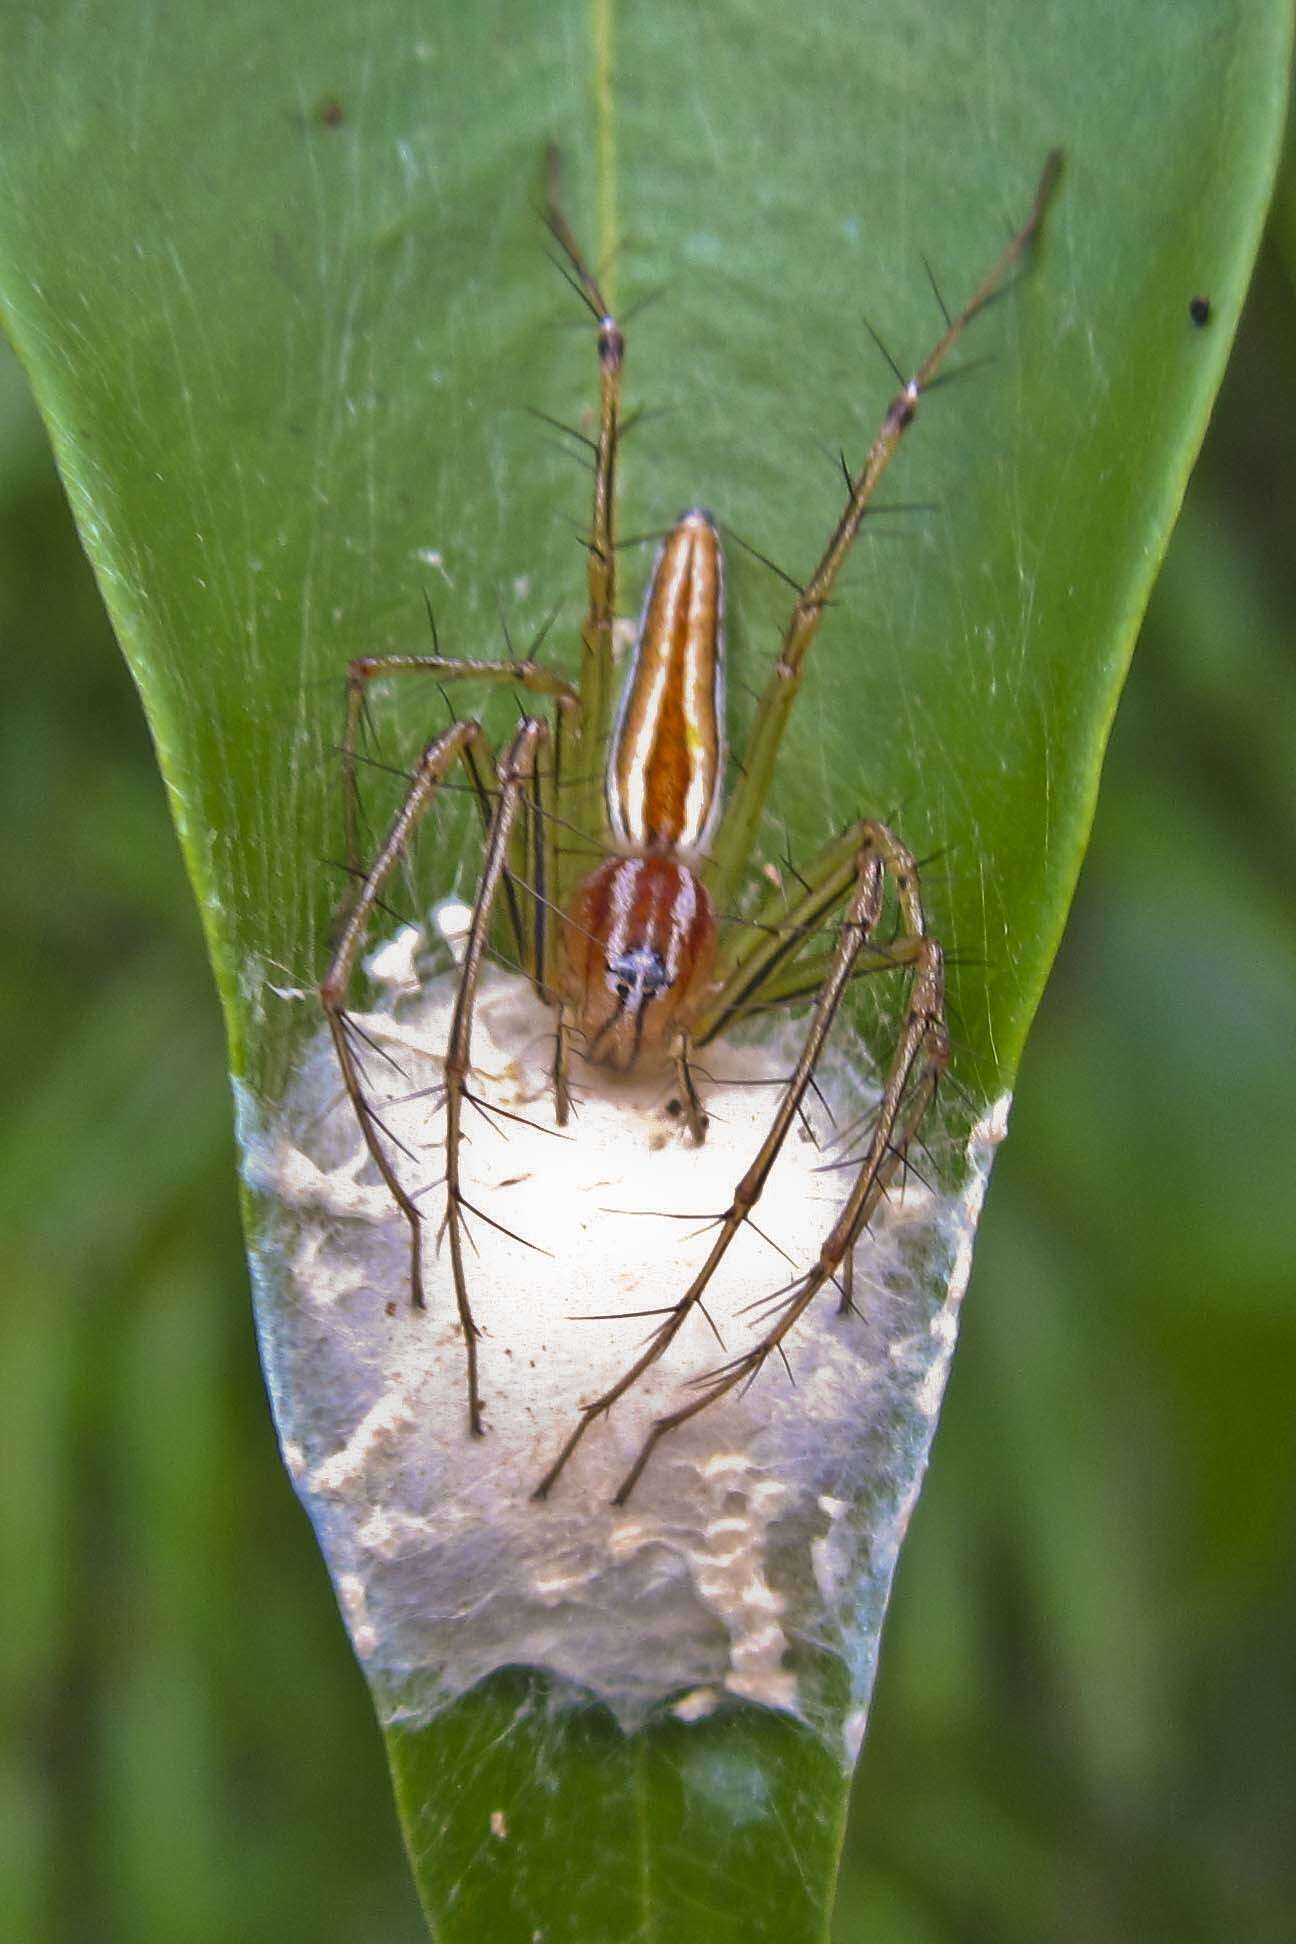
x=628, y=954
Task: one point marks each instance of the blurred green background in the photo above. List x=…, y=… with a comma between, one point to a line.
x=1085, y=1716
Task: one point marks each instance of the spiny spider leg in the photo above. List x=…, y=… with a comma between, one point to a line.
x=736, y=838
x=921, y=1056
x=801, y=978
x=533, y=676
x=694, y=1114
x=861, y=916
x=597, y=661
x=516, y=769
x=429, y=773
x=755, y=949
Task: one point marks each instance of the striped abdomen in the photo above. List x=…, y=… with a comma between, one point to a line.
x=665, y=766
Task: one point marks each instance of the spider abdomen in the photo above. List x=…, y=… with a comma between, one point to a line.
x=666, y=763
x=639, y=943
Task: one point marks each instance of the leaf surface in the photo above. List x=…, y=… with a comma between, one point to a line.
x=276, y=278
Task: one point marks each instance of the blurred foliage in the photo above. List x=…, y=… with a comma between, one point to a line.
x=1082, y=1725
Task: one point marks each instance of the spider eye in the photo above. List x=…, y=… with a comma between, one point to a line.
x=639, y=974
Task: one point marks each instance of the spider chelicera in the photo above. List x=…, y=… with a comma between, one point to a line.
x=629, y=954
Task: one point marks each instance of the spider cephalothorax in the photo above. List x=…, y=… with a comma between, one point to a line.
x=638, y=945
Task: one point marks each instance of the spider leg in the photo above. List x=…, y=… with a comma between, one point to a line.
x=516, y=769
x=693, y=1110
x=754, y=951
x=527, y=674
x=523, y=936
x=530, y=882
x=802, y=975
x=736, y=838
x=562, y=1064
x=536, y=873
x=768, y=961
x=429, y=773
x=861, y=915
x=921, y=1055
x=597, y=660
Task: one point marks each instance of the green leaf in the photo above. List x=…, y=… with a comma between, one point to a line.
x=276, y=278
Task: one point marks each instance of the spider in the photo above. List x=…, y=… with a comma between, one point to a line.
x=629, y=954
